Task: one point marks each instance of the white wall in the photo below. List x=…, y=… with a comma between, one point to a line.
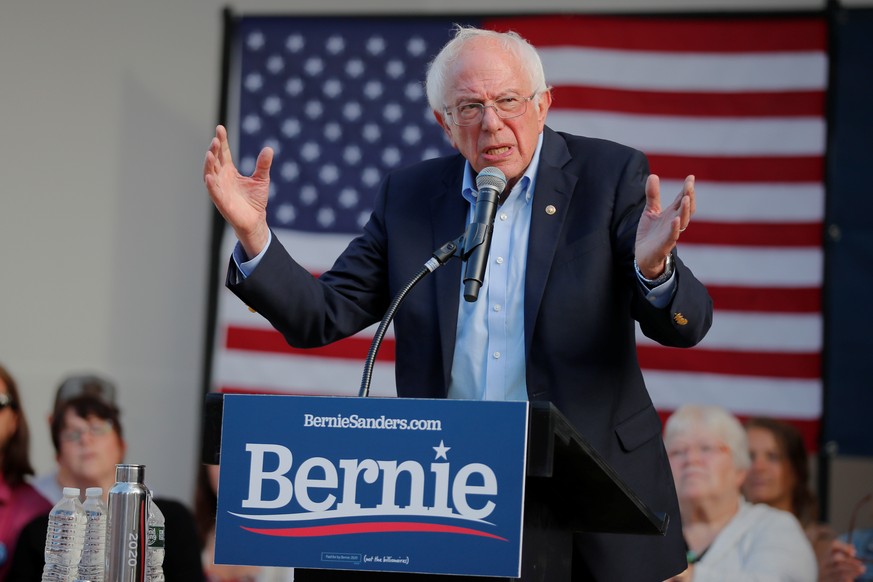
x=106, y=108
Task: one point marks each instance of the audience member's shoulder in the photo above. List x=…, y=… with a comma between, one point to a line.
x=28, y=494
x=767, y=515
x=172, y=507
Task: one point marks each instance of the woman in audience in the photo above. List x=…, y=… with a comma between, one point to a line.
x=87, y=434
x=727, y=537
x=205, y=504
x=19, y=502
x=779, y=477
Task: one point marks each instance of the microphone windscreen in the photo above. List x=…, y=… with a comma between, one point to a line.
x=492, y=177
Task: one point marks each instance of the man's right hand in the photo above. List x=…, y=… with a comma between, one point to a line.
x=241, y=200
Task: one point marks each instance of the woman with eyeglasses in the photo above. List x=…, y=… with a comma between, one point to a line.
x=19, y=502
x=87, y=434
x=728, y=538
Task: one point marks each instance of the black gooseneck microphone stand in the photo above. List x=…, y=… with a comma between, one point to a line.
x=440, y=257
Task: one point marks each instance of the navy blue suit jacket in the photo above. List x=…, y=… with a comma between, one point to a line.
x=581, y=300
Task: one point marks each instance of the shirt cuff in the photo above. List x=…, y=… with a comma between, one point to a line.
x=661, y=295
x=245, y=265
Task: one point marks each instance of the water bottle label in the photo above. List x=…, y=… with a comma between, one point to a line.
x=156, y=536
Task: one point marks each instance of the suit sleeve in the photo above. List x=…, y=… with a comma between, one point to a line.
x=313, y=311
x=688, y=316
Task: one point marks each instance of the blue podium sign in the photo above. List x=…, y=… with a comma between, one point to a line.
x=395, y=485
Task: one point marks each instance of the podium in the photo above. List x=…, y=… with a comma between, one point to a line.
x=568, y=488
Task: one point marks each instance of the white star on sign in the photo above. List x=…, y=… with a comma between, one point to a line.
x=441, y=451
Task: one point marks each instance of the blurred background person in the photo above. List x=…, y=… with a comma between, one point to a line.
x=205, y=505
x=19, y=502
x=728, y=538
x=851, y=556
x=779, y=476
x=91, y=459
x=88, y=438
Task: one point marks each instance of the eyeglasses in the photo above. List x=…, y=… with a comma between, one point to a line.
x=852, y=521
x=472, y=113
x=6, y=401
x=95, y=429
x=706, y=450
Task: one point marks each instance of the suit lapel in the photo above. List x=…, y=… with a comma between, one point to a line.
x=449, y=211
x=554, y=188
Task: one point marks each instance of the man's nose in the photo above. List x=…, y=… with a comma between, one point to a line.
x=490, y=120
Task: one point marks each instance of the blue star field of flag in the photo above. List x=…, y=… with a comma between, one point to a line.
x=341, y=102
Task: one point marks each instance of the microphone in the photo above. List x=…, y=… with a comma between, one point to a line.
x=490, y=182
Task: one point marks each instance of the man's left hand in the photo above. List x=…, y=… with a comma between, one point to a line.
x=659, y=229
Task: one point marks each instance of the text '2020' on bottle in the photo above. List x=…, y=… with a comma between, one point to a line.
x=64, y=538
x=128, y=515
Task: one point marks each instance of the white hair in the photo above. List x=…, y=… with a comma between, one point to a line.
x=716, y=420
x=437, y=71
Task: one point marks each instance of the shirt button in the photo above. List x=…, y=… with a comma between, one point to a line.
x=504, y=216
x=496, y=355
x=497, y=307
x=499, y=260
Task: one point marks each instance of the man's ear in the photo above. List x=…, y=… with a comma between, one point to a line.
x=446, y=125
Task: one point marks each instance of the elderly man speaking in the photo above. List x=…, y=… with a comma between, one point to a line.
x=582, y=247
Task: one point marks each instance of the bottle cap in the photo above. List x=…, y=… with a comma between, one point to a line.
x=71, y=492
x=130, y=473
x=94, y=492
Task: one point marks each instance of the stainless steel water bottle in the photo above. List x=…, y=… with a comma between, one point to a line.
x=128, y=522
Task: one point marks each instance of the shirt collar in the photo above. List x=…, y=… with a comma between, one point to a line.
x=469, y=191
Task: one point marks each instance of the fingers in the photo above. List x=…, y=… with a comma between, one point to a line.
x=223, y=153
x=688, y=190
x=262, y=166
x=653, y=193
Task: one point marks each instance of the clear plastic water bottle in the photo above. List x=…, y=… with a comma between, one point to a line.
x=64, y=538
x=93, y=563
x=156, y=539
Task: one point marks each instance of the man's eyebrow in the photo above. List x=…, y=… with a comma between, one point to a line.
x=470, y=98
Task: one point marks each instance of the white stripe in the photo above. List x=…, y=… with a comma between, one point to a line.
x=759, y=332
x=752, y=203
x=700, y=72
x=315, y=251
x=286, y=373
x=698, y=136
x=753, y=396
x=754, y=266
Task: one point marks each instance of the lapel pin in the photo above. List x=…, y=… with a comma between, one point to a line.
x=550, y=210
x=679, y=319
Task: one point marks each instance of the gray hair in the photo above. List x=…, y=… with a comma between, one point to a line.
x=717, y=420
x=437, y=71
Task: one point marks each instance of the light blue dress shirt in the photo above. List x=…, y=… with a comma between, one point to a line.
x=489, y=360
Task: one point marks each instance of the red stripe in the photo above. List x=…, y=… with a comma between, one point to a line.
x=271, y=341
x=670, y=34
x=370, y=527
x=754, y=235
x=763, y=299
x=732, y=363
x=809, y=429
x=688, y=104
x=787, y=169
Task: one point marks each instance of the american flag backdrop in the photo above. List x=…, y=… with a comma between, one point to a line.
x=739, y=102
